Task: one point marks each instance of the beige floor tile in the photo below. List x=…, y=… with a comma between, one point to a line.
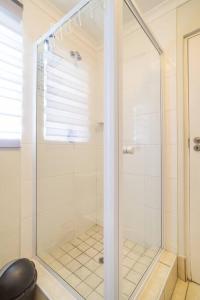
x=75, y=252
x=98, y=236
x=133, y=255
x=83, y=258
x=67, y=247
x=180, y=290
x=93, y=281
x=128, y=262
x=126, y=251
x=82, y=273
x=91, y=232
x=193, y=292
x=139, y=249
x=90, y=241
x=91, y=252
x=76, y=242
x=145, y=260
x=65, y=259
x=129, y=244
x=94, y=296
x=100, y=289
x=73, y=280
x=46, y=257
x=125, y=271
x=55, y=265
x=84, y=289
x=92, y=265
x=140, y=268
x=83, y=247
x=98, y=246
x=127, y=287
x=100, y=272
x=64, y=273
x=83, y=236
x=73, y=266
x=133, y=277
x=98, y=257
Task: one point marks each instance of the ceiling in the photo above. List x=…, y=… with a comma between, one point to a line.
x=143, y=5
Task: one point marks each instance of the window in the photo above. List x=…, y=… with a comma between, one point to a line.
x=10, y=75
x=66, y=100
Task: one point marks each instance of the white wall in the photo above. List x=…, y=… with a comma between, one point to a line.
x=9, y=205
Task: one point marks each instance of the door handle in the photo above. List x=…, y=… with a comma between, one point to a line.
x=197, y=140
x=197, y=148
x=128, y=150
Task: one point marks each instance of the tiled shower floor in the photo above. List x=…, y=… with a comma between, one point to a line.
x=77, y=262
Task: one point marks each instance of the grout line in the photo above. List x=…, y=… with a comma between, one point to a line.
x=187, y=291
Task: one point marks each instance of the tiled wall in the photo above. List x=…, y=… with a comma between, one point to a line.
x=164, y=29
x=141, y=201
x=9, y=205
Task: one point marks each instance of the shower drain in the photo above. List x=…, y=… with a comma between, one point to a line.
x=101, y=260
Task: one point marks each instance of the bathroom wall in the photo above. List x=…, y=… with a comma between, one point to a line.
x=9, y=204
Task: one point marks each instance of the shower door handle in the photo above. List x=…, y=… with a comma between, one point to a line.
x=128, y=150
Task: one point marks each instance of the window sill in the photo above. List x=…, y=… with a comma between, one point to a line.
x=10, y=144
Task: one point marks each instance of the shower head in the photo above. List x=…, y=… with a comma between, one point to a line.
x=76, y=55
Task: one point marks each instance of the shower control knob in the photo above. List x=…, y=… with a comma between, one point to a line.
x=197, y=148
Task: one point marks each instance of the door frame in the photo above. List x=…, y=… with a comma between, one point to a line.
x=186, y=143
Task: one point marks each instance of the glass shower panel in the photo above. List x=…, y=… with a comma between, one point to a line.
x=141, y=173
x=70, y=151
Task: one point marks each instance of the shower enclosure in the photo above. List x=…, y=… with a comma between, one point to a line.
x=98, y=149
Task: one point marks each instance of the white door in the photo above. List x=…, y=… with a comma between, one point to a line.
x=194, y=128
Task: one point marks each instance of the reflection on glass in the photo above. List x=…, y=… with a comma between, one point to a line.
x=70, y=151
x=141, y=203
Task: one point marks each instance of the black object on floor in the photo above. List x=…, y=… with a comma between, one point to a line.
x=17, y=280
x=101, y=260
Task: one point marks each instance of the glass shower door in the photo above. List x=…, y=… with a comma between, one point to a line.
x=141, y=163
x=70, y=150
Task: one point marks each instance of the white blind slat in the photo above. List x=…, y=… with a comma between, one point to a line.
x=66, y=109
x=11, y=78
x=65, y=101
